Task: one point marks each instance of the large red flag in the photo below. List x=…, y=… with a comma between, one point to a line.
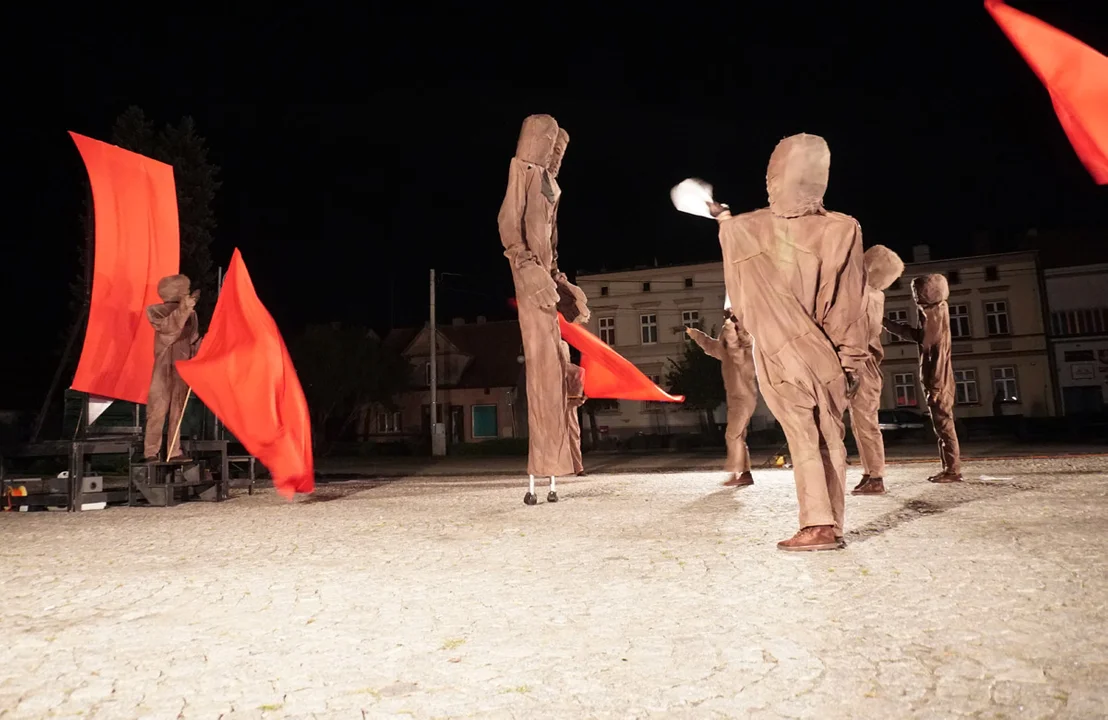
x=244, y=374
x=1075, y=75
x=137, y=243
x=607, y=373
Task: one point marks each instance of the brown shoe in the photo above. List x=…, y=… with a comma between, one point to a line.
x=816, y=537
x=582, y=474
x=740, y=480
x=869, y=486
x=946, y=477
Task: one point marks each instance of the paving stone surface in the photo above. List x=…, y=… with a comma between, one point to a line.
x=637, y=596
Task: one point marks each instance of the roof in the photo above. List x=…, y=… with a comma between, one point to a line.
x=493, y=346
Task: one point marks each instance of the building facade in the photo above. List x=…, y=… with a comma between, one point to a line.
x=1002, y=361
x=479, y=370
x=643, y=314
x=1078, y=301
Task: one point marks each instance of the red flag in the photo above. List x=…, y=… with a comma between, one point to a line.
x=137, y=244
x=1075, y=75
x=607, y=373
x=243, y=372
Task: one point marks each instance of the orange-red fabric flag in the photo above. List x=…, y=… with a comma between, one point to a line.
x=1075, y=75
x=244, y=374
x=607, y=373
x=138, y=242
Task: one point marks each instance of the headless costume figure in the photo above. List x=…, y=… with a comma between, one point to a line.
x=734, y=349
x=795, y=276
x=176, y=333
x=936, y=369
x=526, y=222
x=883, y=266
x=575, y=398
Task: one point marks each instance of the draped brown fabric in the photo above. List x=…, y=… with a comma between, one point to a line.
x=526, y=223
x=575, y=398
x=883, y=266
x=734, y=349
x=936, y=369
x=795, y=277
x=176, y=333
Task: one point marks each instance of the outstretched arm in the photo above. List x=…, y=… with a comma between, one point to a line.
x=710, y=345
x=903, y=331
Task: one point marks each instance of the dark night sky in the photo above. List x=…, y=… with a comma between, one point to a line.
x=360, y=148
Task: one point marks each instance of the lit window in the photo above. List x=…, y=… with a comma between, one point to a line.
x=690, y=318
x=1004, y=384
x=905, y=390
x=959, y=321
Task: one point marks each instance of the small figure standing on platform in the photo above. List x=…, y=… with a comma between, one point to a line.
x=176, y=335
x=936, y=369
x=734, y=349
x=575, y=398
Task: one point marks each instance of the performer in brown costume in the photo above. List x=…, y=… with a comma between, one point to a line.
x=734, y=349
x=795, y=276
x=176, y=333
x=526, y=223
x=936, y=370
x=883, y=266
x=575, y=398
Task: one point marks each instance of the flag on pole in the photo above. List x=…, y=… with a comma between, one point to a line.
x=244, y=374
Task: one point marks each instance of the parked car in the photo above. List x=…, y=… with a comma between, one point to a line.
x=894, y=423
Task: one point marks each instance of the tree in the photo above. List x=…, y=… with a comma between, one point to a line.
x=697, y=376
x=195, y=177
x=343, y=369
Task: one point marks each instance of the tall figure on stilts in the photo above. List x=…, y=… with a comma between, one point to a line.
x=526, y=220
x=176, y=334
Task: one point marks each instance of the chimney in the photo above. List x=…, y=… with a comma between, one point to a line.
x=921, y=253
x=480, y=319
x=458, y=321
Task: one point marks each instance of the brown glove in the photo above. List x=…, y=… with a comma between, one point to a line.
x=572, y=302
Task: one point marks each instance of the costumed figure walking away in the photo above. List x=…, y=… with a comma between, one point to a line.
x=936, y=369
x=883, y=267
x=796, y=278
x=575, y=398
x=527, y=220
x=176, y=334
x=734, y=349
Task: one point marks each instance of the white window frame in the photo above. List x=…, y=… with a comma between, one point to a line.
x=473, y=424
x=648, y=328
x=607, y=329
x=965, y=387
x=690, y=318
x=389, y=423
x=996, y=313
x=907, y=383
x=1006, y=383
x=958, y=320
x=653, y=405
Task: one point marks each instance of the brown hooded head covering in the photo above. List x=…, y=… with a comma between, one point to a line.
x=797, y=176
x=559, y=152
x=883, y=266
x=537, y=139
x=930, y=290
x=173, y=288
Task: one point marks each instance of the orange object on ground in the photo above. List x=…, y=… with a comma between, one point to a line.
x=244, y=374
x=607, y=373
x=138, y=243
x=1075, y=75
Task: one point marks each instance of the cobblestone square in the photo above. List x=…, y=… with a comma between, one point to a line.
x=637, y=596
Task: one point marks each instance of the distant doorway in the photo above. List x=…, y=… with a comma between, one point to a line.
x=457, y=424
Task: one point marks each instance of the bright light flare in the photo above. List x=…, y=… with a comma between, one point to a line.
x=692, y=196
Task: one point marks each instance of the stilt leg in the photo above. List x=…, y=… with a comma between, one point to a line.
x=529, y=498
x=552, y=496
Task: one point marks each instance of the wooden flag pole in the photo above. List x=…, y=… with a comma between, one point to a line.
x=177, y=432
